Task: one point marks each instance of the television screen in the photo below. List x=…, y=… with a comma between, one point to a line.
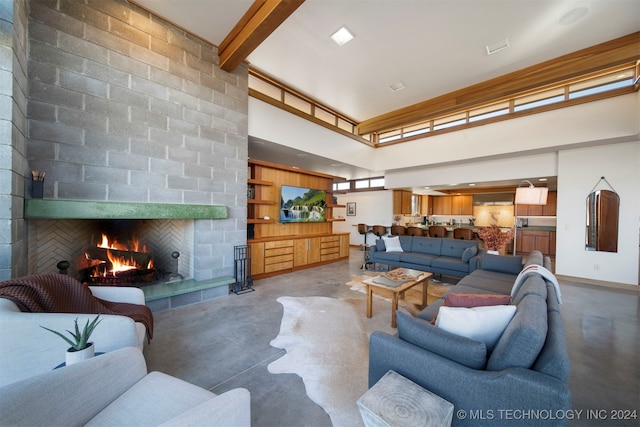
x=298, y=204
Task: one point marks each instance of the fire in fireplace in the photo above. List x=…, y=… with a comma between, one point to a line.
x=114, y=262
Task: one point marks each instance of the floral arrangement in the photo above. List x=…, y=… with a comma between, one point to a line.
x=494, y=238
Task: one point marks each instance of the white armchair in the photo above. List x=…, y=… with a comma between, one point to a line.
x=115, y=389
x=26, y=349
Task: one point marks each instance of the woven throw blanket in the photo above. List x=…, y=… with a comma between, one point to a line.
x=59, y=293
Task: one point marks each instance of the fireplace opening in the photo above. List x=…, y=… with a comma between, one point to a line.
x=116, y=255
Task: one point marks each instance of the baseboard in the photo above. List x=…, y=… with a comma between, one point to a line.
x=614, y=285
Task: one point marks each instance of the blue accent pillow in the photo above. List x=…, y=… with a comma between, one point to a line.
x=380, y=246
x=423, y=334
x=469, y=253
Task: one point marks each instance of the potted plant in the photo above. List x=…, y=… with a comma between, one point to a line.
x=81, y=348
x=494, y=238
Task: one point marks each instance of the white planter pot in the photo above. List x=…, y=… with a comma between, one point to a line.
x=78, y=356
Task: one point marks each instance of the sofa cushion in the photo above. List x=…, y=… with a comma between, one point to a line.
x=522, y=340
x=534, y=257
x=554, y=359
x=455, y=248
x=469, y=253
x=493, y=281
x=386, y=256
x=455, y=299
x=501, y=263
x=417, y=258
x=426, y=245
x=450, y=263
x=405, y=242
x=533, y=285
x=460, y=349
x=392, y=244
x=484, y=324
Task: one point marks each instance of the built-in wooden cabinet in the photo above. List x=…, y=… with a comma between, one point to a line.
x=452, y=205
x=283, y=247
x=538, y=240
x=426, y=207
x=402, y=202
x=540, y=210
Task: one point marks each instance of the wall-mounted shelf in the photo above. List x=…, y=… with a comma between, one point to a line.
x=260, y=221
x=260, y=202
x=336, y=219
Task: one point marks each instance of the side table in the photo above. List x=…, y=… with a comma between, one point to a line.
x=395, y=401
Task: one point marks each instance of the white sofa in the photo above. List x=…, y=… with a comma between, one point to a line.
x=26, y=349
x=115, y=389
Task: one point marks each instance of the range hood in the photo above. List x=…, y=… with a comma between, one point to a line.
x=493, y=199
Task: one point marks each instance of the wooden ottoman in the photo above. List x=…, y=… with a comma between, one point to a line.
x=395, y=401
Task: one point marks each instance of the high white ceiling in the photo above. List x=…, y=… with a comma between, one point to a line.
x=432, y=46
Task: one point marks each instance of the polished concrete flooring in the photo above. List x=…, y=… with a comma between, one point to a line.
x=224, y=343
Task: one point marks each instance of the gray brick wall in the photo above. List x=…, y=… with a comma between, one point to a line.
x=13, y=110
x=126, y=107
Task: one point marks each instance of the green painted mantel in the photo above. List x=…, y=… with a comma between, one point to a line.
x=90, y=209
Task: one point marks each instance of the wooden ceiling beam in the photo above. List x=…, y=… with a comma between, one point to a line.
x=262, y=18
x=605, y=55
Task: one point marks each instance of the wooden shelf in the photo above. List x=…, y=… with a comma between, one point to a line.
x=260, y=221
x=336, y=219
x=259, y=182
x=260, y=202
x=335, y=206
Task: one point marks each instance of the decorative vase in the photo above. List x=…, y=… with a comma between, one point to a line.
x=493, y=252
x=73, y=356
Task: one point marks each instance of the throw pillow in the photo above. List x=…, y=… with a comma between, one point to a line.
x=380, y=245
x=475, y=300
x=392, y=244
x=484, y=324
x=469, y=253
x=421, y=333
x=501, y=263
x=472, y=300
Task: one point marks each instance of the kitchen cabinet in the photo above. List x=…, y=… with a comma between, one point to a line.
x=426, y=207
x=402, y=202
x=462, y=205
x=538, y=240
x=441, y=205
x=540, y=210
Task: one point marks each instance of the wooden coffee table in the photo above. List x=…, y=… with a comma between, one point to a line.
x=396, y=291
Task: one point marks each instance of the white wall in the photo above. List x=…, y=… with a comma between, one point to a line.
x=579, y=171
x=372, y=208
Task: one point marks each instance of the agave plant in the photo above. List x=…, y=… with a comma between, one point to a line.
x=80, y=339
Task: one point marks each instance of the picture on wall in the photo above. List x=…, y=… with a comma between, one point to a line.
x=351, y=209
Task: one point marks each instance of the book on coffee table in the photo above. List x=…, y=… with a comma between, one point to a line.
x=393, y=278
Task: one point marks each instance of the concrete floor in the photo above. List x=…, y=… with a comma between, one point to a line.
x=223, y=343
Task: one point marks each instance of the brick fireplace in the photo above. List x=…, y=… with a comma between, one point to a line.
x=118, y=106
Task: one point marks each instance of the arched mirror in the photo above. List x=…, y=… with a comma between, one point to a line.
x=602, y=219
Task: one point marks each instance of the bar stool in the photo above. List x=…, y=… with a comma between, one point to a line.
x=437, y=231
x=463, y=233
x=414, y=231
x=366, y=253
x=379, y=230
x=398, y=230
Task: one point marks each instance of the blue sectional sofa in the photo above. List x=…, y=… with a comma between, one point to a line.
x=523, y=380
x=438, y=255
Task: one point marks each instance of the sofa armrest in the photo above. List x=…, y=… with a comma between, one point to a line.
x=468, y=389
x=72, y=395
x=119, y=294
x=232, y=408
x=26, y=349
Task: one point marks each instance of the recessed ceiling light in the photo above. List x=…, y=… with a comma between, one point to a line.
x=342, y=36
x=542, y=179
x=497, y=46
x=574, y=15
x=396, y=86
x=472, y=185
